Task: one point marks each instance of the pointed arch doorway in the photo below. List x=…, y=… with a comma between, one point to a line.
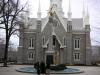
x=52, y=55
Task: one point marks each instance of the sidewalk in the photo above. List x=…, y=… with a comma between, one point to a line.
x=11, y=70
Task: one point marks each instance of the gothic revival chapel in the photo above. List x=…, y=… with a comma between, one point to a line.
x=55, y=39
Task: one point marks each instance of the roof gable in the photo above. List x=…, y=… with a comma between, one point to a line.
x=58, y=17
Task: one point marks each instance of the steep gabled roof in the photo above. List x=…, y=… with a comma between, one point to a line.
x=59, y=17
x=44, y=22
x=77, y=23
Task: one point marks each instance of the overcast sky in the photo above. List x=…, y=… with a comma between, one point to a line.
x=76, y=7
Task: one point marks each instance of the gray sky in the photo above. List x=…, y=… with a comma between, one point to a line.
x=76, y=6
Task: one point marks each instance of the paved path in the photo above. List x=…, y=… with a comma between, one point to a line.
x=88, y=70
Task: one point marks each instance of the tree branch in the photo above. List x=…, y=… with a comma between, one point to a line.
x=13, y=31
x=2, y=28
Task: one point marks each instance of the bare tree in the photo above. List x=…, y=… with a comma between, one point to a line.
x=9, y=11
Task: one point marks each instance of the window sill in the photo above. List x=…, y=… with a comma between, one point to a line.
x=44, y=46
x=62, y=46
x=76, y=48
x=77, y=60
x=31, y=48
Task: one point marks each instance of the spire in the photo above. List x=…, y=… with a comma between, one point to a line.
x=39, y=12
x=87, y=16
x=27, y=10
x=26, y=16
x=53, y=2
x=69, y=12
x=83, y=13
x=87, y=12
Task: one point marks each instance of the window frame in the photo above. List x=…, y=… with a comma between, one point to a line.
x=77, y=56
x=77, y=43
x=43, y=40
x=30, y=56
x=31, y=43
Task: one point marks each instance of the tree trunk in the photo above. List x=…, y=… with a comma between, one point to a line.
x=6, y=51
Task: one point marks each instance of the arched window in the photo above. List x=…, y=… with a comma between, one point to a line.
x=30, y=56
x=43, y=40
x=31, y=42
x=77, y=56
x=54, y=40
x=77, y=43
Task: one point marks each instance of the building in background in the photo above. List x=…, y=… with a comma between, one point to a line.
x=55, y=39
x=12, y=53
x=2, y=48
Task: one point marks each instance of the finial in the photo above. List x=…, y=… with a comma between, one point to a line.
x=83, y=13
x=69, y=12
x=87, y=12
x=87, y=16
x=39, y=11
x=39, y=8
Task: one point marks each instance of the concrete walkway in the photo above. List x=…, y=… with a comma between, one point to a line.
x=88, y=70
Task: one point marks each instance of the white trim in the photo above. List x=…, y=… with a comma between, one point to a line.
x=44, y=46
x=29, y=32
x=31, y=48
x=50, y=51
x=63, y=46
x=61, y=20
x=78, y=32
x=44, y=23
